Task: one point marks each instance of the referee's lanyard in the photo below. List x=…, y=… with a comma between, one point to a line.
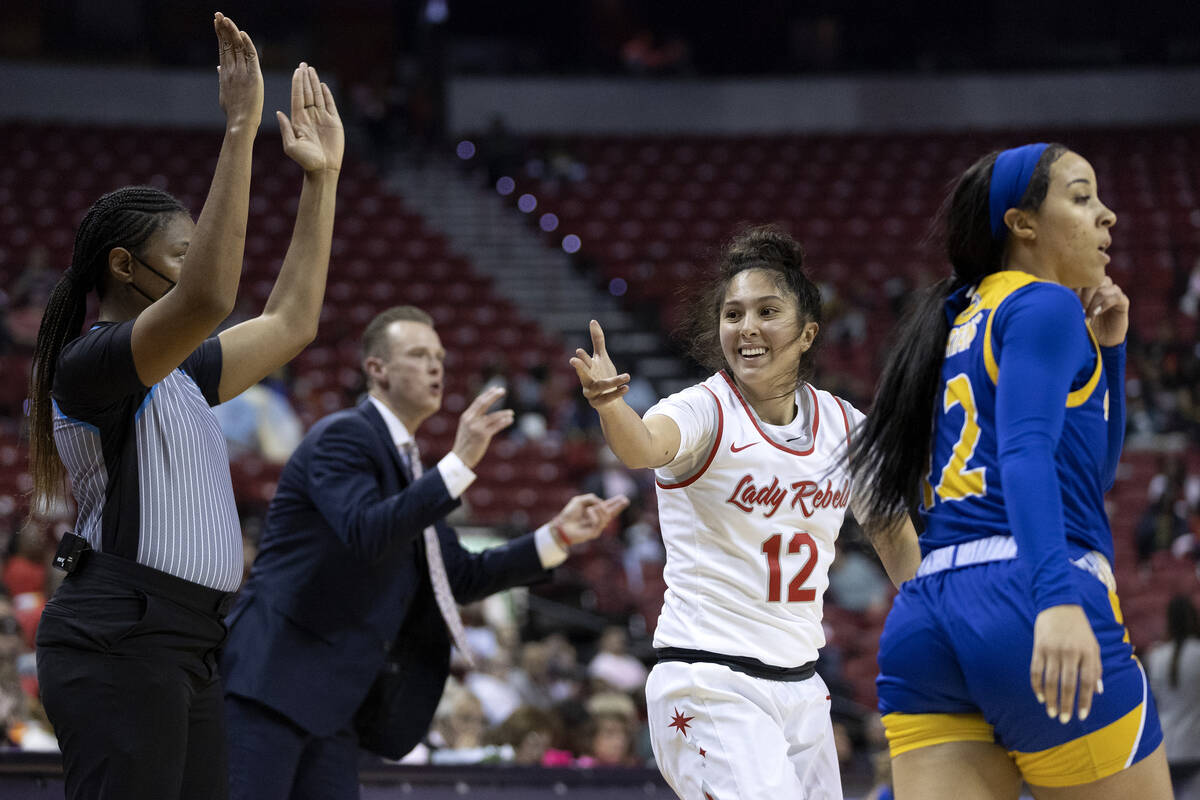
x=138, y=289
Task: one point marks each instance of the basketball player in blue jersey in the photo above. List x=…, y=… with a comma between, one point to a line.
x=1000, y=413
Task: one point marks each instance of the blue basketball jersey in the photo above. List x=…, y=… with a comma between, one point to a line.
x=964, y=495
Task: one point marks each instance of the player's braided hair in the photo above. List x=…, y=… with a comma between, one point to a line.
x=762, y=247
x=123, y=218
x=891, y=453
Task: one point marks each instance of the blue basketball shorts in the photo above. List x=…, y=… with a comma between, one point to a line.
x=954, y=666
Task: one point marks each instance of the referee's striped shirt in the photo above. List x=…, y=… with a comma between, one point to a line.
x=148, y=466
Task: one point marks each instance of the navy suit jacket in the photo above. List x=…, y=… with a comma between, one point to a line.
x=341, y=580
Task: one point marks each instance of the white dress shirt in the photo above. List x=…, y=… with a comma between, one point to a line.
x=458, y=477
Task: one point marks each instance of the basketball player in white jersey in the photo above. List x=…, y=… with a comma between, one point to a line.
x=752, y=492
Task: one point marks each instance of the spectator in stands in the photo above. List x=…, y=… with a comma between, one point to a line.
x=491, y=682
x=1173, y=668
x=609, y=733
x=458, y=726
x=613, y=666
x=28, y=296
x=28, y=562
x=533, y=681
x=261, y=421
x=1189, y=301
x=158, y=546
x=529, y=731
x=644, y=555
x=1160, y=525
x=24, y=723
x=565, y=668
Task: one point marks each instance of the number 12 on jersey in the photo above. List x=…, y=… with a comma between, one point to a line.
x=773, y=548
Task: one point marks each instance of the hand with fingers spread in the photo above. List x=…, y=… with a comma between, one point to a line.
x=597, y=375
x=313, y=137
x=477, y=426
x=239, y=73
x=1066, y=658
x=1107, y=310
x=585, y=516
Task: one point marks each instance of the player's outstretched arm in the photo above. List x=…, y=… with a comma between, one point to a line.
x=652, y=442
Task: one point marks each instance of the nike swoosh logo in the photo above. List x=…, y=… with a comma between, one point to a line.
x=733, y=448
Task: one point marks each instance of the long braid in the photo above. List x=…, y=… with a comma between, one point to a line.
x=123, y=218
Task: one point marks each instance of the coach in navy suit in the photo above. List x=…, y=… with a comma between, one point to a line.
x=341, y=579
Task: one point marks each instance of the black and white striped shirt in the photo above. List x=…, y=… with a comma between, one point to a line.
x=148, y=466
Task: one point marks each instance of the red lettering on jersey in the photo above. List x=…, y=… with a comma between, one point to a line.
x=810, y=496
x=733, y=498
x=746, y=496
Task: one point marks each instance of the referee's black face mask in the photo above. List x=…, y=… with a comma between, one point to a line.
x=170, y=284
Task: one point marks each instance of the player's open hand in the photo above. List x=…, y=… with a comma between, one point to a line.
x=1066, y=657
x=597, y=375
x=586, y=515
x=476, y=426
x=239, y=74
x=313, y=137
x=1107, y=310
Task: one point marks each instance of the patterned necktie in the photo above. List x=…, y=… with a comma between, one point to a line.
x=437, y=569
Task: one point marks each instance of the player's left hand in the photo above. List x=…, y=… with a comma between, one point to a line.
x=313, y=137
x=586, y=515
x=1107, y=311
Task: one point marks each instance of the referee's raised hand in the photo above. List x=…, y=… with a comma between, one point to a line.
x=240, y=77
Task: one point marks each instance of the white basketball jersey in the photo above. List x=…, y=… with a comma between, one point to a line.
x=750, y=534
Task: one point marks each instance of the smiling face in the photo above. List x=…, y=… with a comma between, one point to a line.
x=409, y=378
x=1071, y=229
x=762, y=333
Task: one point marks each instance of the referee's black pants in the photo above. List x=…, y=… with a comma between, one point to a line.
x=127, y=668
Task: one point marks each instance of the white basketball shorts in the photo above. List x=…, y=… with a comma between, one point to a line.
x=719, y=734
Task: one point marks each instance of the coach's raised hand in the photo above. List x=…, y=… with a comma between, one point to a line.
x=241, y=82
x=476, y=426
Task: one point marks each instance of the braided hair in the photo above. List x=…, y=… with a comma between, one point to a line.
x=764, y=247
x=122, y=218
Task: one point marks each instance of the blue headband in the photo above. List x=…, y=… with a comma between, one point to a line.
x=1010, y=178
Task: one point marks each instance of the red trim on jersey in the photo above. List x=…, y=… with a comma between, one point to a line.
x=712, y=453
x=816, y=420
x=845, y=417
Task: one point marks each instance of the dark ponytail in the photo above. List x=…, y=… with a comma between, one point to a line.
x=762, y=247
x=891, y=454
x=124, y=218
